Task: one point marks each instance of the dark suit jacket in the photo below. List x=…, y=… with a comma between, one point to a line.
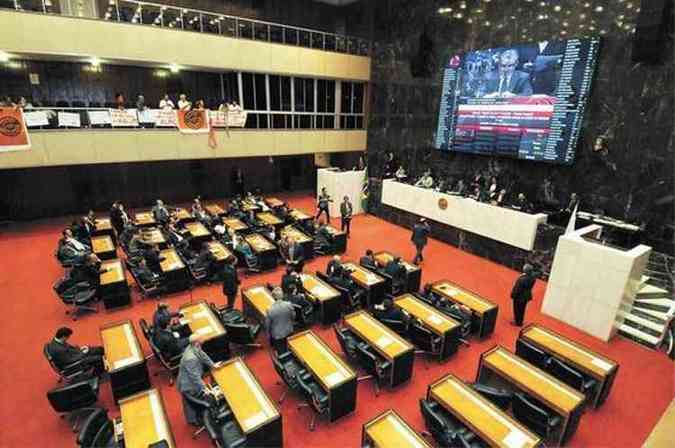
x=64, y=354
x=230, y=280
x=288, y=280
x=368, y=262
x=420, y=233
x=346, y=210
x=295, y=252
x=334, y=269
x=167, y=343
x=522, y=289
x=395, y=270
x=518, y=85
x=391, y=314
x=162, y=315
x=153, y=259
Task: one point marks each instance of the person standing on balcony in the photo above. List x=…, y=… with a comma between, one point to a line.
x=166, y=103
x=183, y=103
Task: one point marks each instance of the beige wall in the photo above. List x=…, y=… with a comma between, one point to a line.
x=38, y=34
x=75, y=147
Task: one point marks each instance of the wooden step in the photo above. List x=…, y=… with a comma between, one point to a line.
x=643, y=324
x=646, y=290
x=638, y=336
x=665, y=317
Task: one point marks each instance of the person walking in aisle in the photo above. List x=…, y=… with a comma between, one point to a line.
x=230, y=281
x=420, y=233
x=522, y=293
x=322, y=205
x=346, y=210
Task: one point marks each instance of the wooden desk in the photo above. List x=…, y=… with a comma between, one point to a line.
x=483, y=311
x=500, y=367
x=103, y=247
x=269, y=219
x=299, y=216
x=324, y=296
x=113, y=287
x=176, y=276
x=274, y=202
x=331, y=373
x=183, y=215
x=387, y=343
x=145, y=219
x=373, y=284
x=198, y=232
x=214, y=210
x=264, y=249
x=588, y=362
x=256, y=300
x=152, y=236
x=256, y=415
x=234, y=224
x=124, y=359
x=103, y=226
x=339, y=240
x=219, y=251
x=413, y=273
x=248, y=206
x=389, y=430
x=432, y=319
x=144, y=420
x=306, y=242
x=491, y=424
x=202, y=321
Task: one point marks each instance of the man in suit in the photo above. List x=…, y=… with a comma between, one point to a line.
x=144, y=274
x=368, y=261
x=296, y=256
x=167, y=341
x=153, y=258
x=397, y=272
x=322, y=204
x=279, y=324
x=90, y=271
x=420, y=233
x=334, y=267
x=522, y=293
x=230, y=281
x=163, y=314
x=388, y=311
x=508, y=82
x=64, y=354
x=193, y=364
x=346, y=210
x=160, y=212
x=543, y=60
x=176, y=237
x=289, y=279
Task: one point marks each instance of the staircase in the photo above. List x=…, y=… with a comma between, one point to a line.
x=648, y=322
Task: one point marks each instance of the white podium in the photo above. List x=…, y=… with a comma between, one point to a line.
x=339, y=184
x=590, y=283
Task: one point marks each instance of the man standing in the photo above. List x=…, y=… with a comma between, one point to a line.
x=322, y=204
x=230, y=281
x=419, y=237
x=346, y=210
x=279, y=323
x=522, y=293
x=160, y=212
x=190, y=381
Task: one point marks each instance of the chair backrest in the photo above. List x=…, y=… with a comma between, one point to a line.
x=432, y=419
x=398, y=326
x=279, y=367
x=366, y=359
x=346, y=341
x=531, y=414
x=531, y=353
x=72, y=397
x=421, y=337
x=305, y=389
x=50, y=360
x=322, y=276
x=239, y=333
x=91, y=427
x=566, y=374
x=105, y=435
x=145, y=328
x=501, y=398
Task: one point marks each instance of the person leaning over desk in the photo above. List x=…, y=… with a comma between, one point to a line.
x=193, y=365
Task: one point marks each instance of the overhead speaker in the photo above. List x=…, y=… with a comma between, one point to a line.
x=651, y=31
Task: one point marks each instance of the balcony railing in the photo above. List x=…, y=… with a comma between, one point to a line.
x=163, y=16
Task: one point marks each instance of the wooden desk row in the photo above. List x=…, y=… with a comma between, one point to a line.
x=483, y=311
x=413, y=273
x=373, y=284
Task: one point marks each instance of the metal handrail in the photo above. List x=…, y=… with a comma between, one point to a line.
x=237, y=19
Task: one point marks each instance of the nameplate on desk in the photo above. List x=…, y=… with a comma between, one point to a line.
x=384, y=341
x=452, y=292
x=255, y=420
x=435, y=319
x=320, y=290
x=515, y=439
x=334, y=378
x=199, y=314
x=124, y=362
x=202, y=331
x=601, y=363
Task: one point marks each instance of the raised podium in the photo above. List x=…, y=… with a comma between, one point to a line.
x=592, y=283
x=339, y=184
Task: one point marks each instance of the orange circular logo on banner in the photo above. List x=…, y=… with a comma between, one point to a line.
x=442, y=203
x=194, y=119
x=10, y=126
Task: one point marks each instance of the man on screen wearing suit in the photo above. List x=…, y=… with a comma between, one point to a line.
x=522, y=293
x=508, y=82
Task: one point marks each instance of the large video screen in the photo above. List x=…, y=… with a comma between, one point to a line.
x=525, y=101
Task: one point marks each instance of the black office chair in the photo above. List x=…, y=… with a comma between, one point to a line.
x=500, y=397
x=228, y=315
x=463, y=318
x=315, y=397
x=531, y=354
x=147, y=289
x=170, y=364
x=242, y=334
x=442, y=427
x=91, y=426
x=288, y=369
x=377, y=369
x=77, y=371
x=199, y=405
x=347, y=342
x=569, y=376
x=79, y=298
x=428, y=344
x=534, y=415
x=105, y=438
x=399, y=326
x=74, y=400
x=223, y=431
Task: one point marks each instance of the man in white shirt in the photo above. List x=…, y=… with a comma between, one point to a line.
x=426, y=181
x=183, y=103
x=166, y=103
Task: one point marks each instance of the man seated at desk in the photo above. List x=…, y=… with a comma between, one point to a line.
x=293, y=253
x=426, y=181
x=368, y=260
x=193, y=364
x=240, y=245
x=163, y=314
x=199, y=213
x=522, y=204
x=250, y=219
x=168, y=341
x=89, y=272
x=460, y=188
x=136, y=246
x=400, y=174
x=144, y=275
x=127, y=233
x=397, y=272
x=160, y=212
x=64, y=354
x=290, y=278
x=299, y=302
x=388, y=311
x=322, y=237
x=177, y=238
x=339, y=275
x=153, y=258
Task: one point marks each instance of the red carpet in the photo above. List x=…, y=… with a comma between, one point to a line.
x=31, y=313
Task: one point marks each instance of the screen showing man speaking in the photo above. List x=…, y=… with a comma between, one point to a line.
x=525, y=101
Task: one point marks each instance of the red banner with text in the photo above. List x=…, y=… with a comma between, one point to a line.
x=13, y=132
